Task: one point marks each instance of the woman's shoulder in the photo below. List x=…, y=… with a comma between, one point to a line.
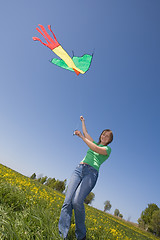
x=108, y=149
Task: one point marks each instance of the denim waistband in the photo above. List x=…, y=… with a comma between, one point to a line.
x=87, y=166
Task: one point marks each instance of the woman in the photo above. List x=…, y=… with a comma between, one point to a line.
x=83, y=181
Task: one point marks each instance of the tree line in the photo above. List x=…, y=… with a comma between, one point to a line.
x=51, y=182
x=107, y=207
x=150, y=219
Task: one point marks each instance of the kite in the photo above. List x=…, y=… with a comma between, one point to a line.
x=76, y=64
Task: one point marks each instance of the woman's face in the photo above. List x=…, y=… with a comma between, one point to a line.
x=105, y=137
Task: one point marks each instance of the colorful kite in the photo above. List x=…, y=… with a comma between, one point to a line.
x=76, y=64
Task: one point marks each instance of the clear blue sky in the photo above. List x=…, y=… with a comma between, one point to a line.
x=40, y=103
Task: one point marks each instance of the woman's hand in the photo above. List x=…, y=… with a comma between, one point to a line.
x=78, y=133
x=81, y=118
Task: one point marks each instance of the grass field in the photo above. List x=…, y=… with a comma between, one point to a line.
x=30, y=210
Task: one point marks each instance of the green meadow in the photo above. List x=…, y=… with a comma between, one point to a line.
x=30, y=210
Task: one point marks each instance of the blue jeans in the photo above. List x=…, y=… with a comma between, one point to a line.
x=82, y=182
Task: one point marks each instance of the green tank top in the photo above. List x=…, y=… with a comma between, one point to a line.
x=95, y=159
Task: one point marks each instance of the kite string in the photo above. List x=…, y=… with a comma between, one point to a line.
x=79, y=110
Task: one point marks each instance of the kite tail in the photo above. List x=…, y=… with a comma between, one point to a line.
x=49, y=27
x=51, y=43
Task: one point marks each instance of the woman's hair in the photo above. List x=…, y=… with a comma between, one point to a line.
x=111, y=136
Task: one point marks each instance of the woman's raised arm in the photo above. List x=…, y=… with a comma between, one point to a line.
x=85, y=133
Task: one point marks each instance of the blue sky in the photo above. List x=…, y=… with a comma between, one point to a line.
x=40, y=103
